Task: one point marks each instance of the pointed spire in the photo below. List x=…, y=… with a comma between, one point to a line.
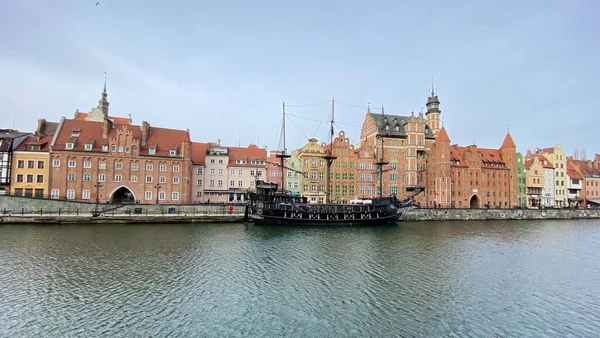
x=369, y=107
x=103, y=103
x=432, y=88
x=442, y=136
x=508, y=142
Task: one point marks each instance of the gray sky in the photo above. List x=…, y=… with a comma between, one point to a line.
x=223, y=68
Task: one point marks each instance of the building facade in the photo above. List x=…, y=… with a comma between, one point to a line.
x=549, y=186
x=521, y=182
x=556, y=155
x=535, y=180
x=274, y=169
x=590, y=189
x=366, y=174
x=342, y=176
x=105, y=161
x=311, y=157
x=246, y=165
x=9, y=141
x=199, y=167
x=574, y=185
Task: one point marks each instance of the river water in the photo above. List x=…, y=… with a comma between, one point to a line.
x=469, y=279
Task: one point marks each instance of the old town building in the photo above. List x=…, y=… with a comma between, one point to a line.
x=311, y=157
x=591, y=181
x=401, y=143
x=535, y=179
x=342, y=176
x=556, y=156
x=549, y=186
x=199, y=166
x=366, y=173
x=9, y=140
x=293, y=174
x=30, y=174
x=575, y=182
x=101, y=159
x=246, y=165
x=521, y=182
x=471, y=177
x=274, y=168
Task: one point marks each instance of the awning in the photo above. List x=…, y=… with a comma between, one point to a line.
x=594, y=201
x=534, y=197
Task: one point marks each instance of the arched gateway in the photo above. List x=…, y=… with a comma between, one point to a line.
x=122, y=195
x=474, y=203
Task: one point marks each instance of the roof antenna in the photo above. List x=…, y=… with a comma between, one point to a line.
x=369, y=107
x=432, y=88
x=508, y=129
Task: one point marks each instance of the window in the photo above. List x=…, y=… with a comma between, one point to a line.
x=21, y=164
x=101, y=178
x=148, y=195
x=162, y=167
x=162, y=179
x=85, y=194
x=220, y=172
x=39, y=179
x=232, y=183
x=56, y=163
x=113, y=148
x=162, y=195
x=118, y=178
x=199, y=182
x=69, y=146
x=126, y=149
x=70, y=194
x=212, y=183
x=221, y=161
x=251, y=172
x=175, y=168
x=172, y=152
x=40, y=164
x=212, y=171
x=148, y=179
x=30, y=164
x=105, y=147
x=101, y=165
x=241, y=172
x=19, y=178
x=134, y=166
x=199, y=171
x=71, y=177
x=149, y=167
x=175, y=196
x=151, y=151
x=220, y=183
x=240, y=183
x=87, y=164
x=88, y=146
x=120, y=149
x=118, y=166
x=133, y=179
x=54, y=193
x=212, y=160
x=72, y=164
x=175, y=180
x=87, y=177
x=232, y=172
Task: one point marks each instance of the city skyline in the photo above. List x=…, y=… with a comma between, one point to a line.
x=493, y=66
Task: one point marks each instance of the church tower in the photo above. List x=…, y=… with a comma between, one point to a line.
x=433, y=112
x=103, y=102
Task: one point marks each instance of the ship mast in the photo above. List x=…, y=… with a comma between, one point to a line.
x=380, y=156
x=329, y=154
x=283, y=154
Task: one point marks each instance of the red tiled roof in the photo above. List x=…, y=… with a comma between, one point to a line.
x=199, y=152
x=252, y=152
x=549, y=150
x=81, y=116
x=162, y=139
x=43, y=142
x=572, y=171
x=545, y=163
x=442, y=136
x=508, y=142
x=493, y=156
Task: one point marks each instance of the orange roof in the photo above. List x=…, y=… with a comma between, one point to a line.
x=115, y=119
x=43, y=142
x=442, y=136
x=90, y=132
x=572, y=172
x=545, y=163
x=252, y=152
x=493, y=156
x=199, y=152
x=508, y=142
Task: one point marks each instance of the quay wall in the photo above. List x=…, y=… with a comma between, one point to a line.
x=496, y=214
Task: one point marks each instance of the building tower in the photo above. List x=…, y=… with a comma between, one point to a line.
x=103, y=102
x=433, y=112
x=508, y=151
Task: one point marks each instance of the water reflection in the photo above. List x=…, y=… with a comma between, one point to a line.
x=414, y=279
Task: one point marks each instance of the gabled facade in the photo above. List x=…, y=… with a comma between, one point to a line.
x=246, y=165
x=549, y=186
x=311, y=157
x=521, y=182
x=9, y=141
x=591, y=182
x=274, y=170
x=293, y=178
x=574, y=185
x=556, y=155
x=342, y=176
x=471, y=177
x=535, y=180
x=31, y=174
x=366, y=170
x=199, y=167
x=105, y=161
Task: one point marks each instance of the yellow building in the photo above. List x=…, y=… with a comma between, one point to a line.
x=30, y=163
x=314, y=169
x=556, y=155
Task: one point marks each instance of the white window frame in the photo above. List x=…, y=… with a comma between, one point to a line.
x=72, y=164
x=162, y=167
x=55, y=193
x=71, y=194
x=134, y=166
x=175, y=180
x=162, y=195
x=118, y=178
x=133, y=178
x=175, y=196
x=101, y=165
x=69, y=146
x=87, y=164
x=85, y=195
x=118, y=166
x=148, y=179
x=148, y=195
x=56, y=163
x=162, y=179
x=101, y=178
x=88, y=146
x=175, y=168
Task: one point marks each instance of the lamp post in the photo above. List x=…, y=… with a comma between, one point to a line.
x=157, y=186
x=488, y=199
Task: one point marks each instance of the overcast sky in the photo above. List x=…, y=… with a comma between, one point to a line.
x=223, y=68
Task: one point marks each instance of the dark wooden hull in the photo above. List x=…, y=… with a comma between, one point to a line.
x=276, y=220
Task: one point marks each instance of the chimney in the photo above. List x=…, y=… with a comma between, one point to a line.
x=105, y=128
x=40, y=126
x=145, y=130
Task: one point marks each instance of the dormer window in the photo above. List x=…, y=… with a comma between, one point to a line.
x=397, y=128
x=69, y=146
x=152, y=151
x=172, y=152
x=387, y=127
x=75, y=133
x=105, y=147
x=88, y=146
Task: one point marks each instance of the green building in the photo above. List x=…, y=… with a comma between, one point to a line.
x=521, y=182
x=294, y=178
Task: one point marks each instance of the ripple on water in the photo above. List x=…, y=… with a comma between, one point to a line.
x=451, y=279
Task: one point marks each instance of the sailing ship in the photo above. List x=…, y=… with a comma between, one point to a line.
x=270, y=204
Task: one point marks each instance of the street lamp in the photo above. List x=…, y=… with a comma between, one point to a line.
x=157, y=186
x=488, y=199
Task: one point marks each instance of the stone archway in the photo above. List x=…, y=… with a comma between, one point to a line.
x=474, y=202
x=122, y=195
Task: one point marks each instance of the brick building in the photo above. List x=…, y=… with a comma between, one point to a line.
x=311, y=157
x=199, y=166
x=556, y=155
x=98, y=157
x=471, y=177
x=403, y=142
x=342, y=175
x=590, y=189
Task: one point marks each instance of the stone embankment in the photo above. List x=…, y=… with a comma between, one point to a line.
x=25, y=210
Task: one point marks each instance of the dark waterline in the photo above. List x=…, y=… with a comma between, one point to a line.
x=468, y=279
